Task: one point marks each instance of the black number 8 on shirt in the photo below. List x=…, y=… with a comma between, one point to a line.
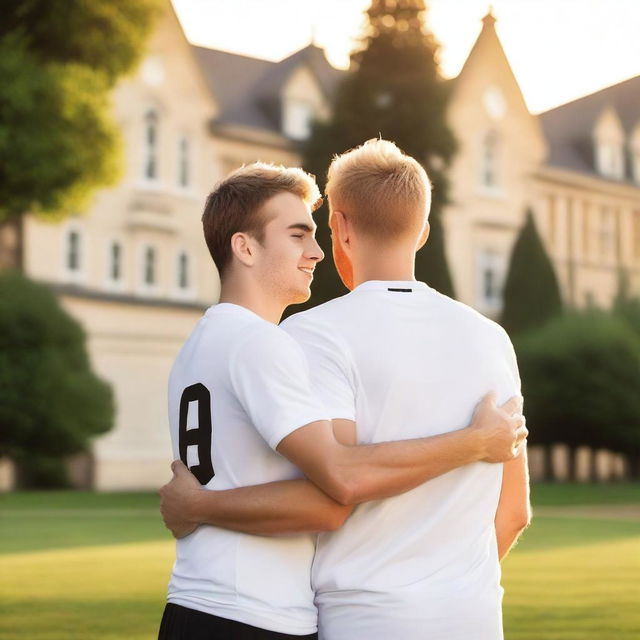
x=196, y=435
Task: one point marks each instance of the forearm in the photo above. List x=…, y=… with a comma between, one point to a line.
x=372, y=472
x=507, y=534
x=276, y=508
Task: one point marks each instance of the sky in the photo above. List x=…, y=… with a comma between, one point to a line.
x=559, y=50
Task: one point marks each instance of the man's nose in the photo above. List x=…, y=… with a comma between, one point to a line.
x=315, y=252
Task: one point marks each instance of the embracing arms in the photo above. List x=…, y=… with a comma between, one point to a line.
x=342, y=475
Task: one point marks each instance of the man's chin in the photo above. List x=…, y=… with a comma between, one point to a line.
x=301, y=296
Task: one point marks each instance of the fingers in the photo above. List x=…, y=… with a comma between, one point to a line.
x=513, y=405
x=489, y=400
x=177, y=466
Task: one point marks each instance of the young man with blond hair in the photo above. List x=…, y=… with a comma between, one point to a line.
x=241, y=393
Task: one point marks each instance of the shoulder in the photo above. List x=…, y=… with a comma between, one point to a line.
x=263, y=340
x=322, y=315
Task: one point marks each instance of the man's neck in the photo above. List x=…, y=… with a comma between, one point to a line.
x=267, y=309
x=389, y=265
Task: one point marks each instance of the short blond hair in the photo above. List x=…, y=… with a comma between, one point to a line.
x=235, y=204
x=385, y=192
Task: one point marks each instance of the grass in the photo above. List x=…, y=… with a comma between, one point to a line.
x=95, y=566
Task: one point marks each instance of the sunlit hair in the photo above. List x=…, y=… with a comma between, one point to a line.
x=236, y=203
x=384, y=192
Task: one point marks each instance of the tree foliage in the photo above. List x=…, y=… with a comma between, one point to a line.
x=51, y=403
x=393, y=90
x=581, y=381
x=531, y=292
x=59, y=59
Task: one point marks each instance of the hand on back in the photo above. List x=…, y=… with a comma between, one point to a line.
x=500, y=430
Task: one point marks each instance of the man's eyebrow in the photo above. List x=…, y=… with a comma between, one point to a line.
x=303, y=227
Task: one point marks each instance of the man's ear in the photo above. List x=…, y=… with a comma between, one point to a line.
x=424, y=236
x=340, y=245
x=341, y=228
x=243, y=248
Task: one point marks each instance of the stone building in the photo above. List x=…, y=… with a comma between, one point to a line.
x=134, y=268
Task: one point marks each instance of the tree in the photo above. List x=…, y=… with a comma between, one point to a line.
x=394, y=90
x=581, y=383
x=626, y=306
x=51, y=403
x=59, y=59
x=531, y=292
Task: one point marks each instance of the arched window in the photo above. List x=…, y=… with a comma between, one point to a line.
x=184, y=163
x=151, y=145
x=489, y=160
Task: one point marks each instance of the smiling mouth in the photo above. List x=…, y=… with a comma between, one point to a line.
x=306, y=270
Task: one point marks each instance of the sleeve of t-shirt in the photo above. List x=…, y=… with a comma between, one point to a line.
x=270, y=377
x=515, y=386
x=331, y=372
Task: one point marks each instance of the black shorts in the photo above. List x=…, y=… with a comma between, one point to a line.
x=181, y=623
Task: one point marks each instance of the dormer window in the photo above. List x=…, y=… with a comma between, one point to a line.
x=609, y=145
x=297, y=119
x=610, y=159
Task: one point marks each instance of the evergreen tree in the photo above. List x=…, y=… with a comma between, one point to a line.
x=59, y=59
x=394, y=90
x=531, y=291
x=50, y=401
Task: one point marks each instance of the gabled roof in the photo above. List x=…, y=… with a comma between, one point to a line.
x=569, y=127
x=249, y=89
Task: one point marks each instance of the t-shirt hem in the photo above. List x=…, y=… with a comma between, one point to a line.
x=260, y=619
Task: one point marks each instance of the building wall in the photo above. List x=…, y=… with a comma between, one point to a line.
x=135, y=330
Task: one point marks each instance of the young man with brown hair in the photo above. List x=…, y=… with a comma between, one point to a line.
x=241, y=390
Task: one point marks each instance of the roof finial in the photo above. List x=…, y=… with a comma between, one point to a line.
x=489, y=20
x=314, y=35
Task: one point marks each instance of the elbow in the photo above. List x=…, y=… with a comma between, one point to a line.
x=521, y=520
x=340, y=486
x=516, y=521
x=336, y=518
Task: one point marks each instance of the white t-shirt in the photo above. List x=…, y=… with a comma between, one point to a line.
x=404, y=361
x=238, y=387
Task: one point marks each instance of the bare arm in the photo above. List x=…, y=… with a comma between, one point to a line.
x=275, y=508
x=514, y=511
x=351, y=475
x=355, y=474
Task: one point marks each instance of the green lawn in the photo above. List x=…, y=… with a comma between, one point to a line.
x=83, y=566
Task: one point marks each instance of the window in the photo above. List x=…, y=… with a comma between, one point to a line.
x=151, y=146
x=115, y=262
x=490, y=281
x=183, y=271
x=183, y=164
x=489, y=175
x=73, y=251
x=610, y=159
x=297, y=119
x=149, y=267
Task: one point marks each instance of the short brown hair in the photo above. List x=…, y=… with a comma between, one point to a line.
x=385, y=192
x=235, y=204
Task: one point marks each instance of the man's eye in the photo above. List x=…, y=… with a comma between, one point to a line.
x=298, y=235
